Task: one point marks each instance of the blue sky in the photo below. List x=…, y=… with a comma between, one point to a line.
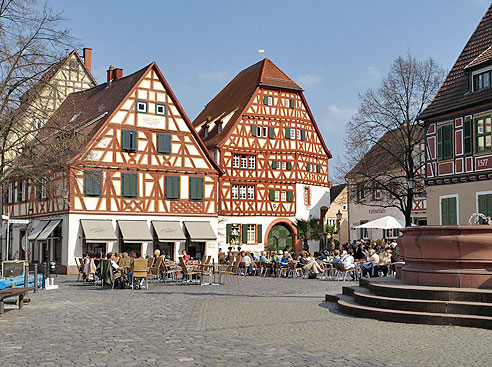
x=333, y=49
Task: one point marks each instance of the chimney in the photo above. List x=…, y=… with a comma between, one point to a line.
x=110, y=73
x=118, y=73
x=87, y=52
x=114, y=74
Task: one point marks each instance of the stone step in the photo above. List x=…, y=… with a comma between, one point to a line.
x=347, y=305
x=364, y=297
x=394, y=288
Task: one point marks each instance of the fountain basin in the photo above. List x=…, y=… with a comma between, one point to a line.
x=447, y=256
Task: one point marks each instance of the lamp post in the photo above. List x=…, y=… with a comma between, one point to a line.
x=339, y=218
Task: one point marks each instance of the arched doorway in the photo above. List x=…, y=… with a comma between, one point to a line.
x=280, y=237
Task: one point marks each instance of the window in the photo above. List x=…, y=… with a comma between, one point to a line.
x=251, y=192
x=344, y=207
x=284, y=166
x=92, y=182
x=267, y=100
x=235, y=161
x=485, y=205
x=235, y=191
x=219, y=127
x=22, y=190
x=142, y=106
x=252, y=162
x=196, y=189
x=363, y=231
x=391, y=233
x=308, y=167
x=376, y=193
x=242, y=192
x=287, y=102
x=10, y=192
x=128, y=140
x=251, y=233
x=449, y=210
x=360, y=191
x=129, y=185
x=484, y=134
x=42, y=189
x=331, y=222
x=172, y=187
x=307, y=196
x=164, y=143
x=244, y=161
x=283, y=196
x=298, y=134
x=481, y=81
x=277, y=195
x=292, y=103
x=292, y=133
x=445, y=142
x=161, y=109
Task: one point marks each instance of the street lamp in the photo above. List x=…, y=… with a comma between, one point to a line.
x=339, y=218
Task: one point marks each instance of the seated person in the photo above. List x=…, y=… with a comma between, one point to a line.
x=309, y=263
x=246, y=259
x=385, y=261
x=370, y=267
x=349, y=263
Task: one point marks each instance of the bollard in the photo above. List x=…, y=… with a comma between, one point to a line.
x=45, y=269
x=35, y=278
x=26, y=276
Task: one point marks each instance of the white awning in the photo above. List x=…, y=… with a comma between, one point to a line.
x=98, y=230
x=200, y=231
x=134, y=231
x=37, y=230
x=168, y=231
x=48, y=230
x=387, y=222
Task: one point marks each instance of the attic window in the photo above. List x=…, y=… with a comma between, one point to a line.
x=205, y=131
x=267, y=100
x=219, y=127
x=74, y=65
x=482, y=80
x=161, y=109
x=142, y=106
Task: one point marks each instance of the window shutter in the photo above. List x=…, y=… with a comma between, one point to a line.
x=125, y=140
x=265, y=100
x=196, y=188
x=176, y=187
x=318, y=168
x=290, y=196
x=271, y=133
x=254, y=130
x=292, y=103
x=259, y=234
x=467, y=137
x=452, y=211
x=130, y=185
x=134, y=185
x=287, y=133
x=274, y=164
x=482, y=205
x=228, y=232
x=439, y=143
x=489, y=206
x=447, y=143
x=164, y=143
x=134, y=140
x=244, y=233
x=303, y=134
x=271, y=195
x=308, y=167
x=289, y=166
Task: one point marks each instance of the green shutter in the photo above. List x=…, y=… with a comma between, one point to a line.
x=444, y=212
x=196, y=188
x=308, y=167
x=292, y=103
x=318, y=168
x=164, y=143
x=254, y=130
x=172, y=187
x=439, y=143
x=125, y=140
x=271, y=195
x=130, y=185
x=271, y=133
x=289, y=166
x=303, y=134
x=134, y=135
x=467, y=137
x=290, y=196
x=482, y=205
x=452, y=211
x=274, y=164
x=228, y=232
x=287, y=133
x=447, y=142
x=259, y=234
x=244, y=233
x=265, y=100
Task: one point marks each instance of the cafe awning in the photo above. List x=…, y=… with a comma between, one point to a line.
x=168, y=231
x=200, y=231
x=48, y=230
x=98, y=230
x=134, y=231
x=37, y=230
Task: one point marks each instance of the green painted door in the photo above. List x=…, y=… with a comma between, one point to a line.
x=279, y=238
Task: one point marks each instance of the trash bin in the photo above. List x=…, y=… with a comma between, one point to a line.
x=52, y=267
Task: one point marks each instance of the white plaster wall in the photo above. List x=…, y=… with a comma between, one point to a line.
x=320, y=196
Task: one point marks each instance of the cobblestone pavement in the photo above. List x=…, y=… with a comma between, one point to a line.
x=249, y=321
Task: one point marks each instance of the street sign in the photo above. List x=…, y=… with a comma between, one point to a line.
x=19, y=221
x=5, y=217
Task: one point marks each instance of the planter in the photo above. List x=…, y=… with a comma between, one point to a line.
x=447, y=256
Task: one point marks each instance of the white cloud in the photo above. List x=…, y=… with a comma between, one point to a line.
x=214, y=76
x=308, y=80
x=374, y=72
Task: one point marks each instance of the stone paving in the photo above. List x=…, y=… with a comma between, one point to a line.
x=249, y=321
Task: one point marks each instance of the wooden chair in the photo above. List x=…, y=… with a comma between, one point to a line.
x=139, y=271
x=227, y=269
x=154, y=270
x=294, y=271
x=80, y=267
x=150, y=262
x=167, y=273
x=236, y=264
x=187, y=274
x=106, y=273
x=344, y=272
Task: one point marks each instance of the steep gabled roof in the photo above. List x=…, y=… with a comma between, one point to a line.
x=455, y=92
x=335, y=191
x=234, y=98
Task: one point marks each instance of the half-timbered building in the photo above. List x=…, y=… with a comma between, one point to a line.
x=137, y=176
x=260, y=130
x=458, y=135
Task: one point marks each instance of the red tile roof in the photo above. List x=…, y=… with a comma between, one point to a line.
x=455, y=92
x=236, y=95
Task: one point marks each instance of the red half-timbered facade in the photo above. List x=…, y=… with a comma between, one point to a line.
x=261, y=131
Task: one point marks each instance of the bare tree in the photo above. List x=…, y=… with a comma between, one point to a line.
x=32, y=41
x=384, y=138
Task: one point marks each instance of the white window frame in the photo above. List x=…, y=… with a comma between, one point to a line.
x=457, y=207
x=283, y=196
x=298, y=134
x=251, y=233
x=307, y=196
x=251, y=192
x=163, y=106
x=142, y=103
x=25, y=191
x=243, y=192
x=331, y=222
x=235, y=192
x=477, y=194
x=244, y=161
x=284, y=165
x=293, y=134
x=11, y=194
x=277, y=195
x=236, y=159
x=252, y=162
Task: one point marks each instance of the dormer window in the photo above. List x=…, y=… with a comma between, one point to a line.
x=219, y=127
x=205, y=131
x=481, y=80
x=142, y=106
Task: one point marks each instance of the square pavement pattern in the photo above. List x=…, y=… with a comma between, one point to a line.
x=251, y=321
